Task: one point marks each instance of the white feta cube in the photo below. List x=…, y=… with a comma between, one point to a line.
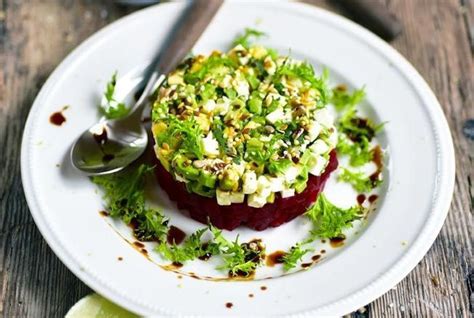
x=249, y=180
x=318, y=165
x=210, y=145
x=223, y=197
x=319, y=147
x=286, y=193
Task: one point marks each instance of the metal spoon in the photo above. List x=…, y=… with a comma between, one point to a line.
x=111, y=145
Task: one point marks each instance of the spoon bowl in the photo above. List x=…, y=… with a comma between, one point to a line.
x=109, y=146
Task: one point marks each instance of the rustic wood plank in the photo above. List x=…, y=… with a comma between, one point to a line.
x=34, y=37
x=437, y=40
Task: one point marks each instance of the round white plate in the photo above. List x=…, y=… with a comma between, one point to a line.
x=414, y=200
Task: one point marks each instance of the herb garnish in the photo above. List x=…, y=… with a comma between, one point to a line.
x=125, y=198
x=239, y=259
x=329, y=220
x=244, y=38
x=190, y=249
x=294, y=255
x=185, y=133
x=111, y=108
x=359, y=180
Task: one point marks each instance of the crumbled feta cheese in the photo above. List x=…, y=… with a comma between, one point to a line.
x=240, y=168
x=318, y=166
x=277, y=184
x=314, y=130
x=290, y=174
x=210, y=145
x=244, y=60
x=324, y=117
x=226, y=81
x=269, y=65
x=277, y=115
x=249, y=180
x=222, y=107
x=256, y=200
x=263, y=185
x=242, y=88
x=223, y=197
x=209, y=106
x=319, y=147
x=286, y=193
x=236, y=197
x=332, y=140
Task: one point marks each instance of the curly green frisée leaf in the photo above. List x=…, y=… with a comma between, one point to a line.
x=359, y=180
x=110, y=107
x=248, y=34
x=295, y=255
x=189, y=250
x=239, y=259
x=329, y=220
x=125, y=199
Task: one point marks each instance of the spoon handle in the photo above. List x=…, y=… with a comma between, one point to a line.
x=180, y=42
x=192, y=24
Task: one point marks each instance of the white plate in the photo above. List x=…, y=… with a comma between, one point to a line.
x=415, y=199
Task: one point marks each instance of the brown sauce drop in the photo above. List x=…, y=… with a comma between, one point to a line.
x=341, y=88
x=120, y=258
x=104, y=213
x=250, y=295
x=194, y=276
x=378, y=161
x=177, y=265
x=101, y=138
x=361, y=199
x=306, y=265
x=206, y=256
x=229, y=305
x=144, y=251
x=57, y=118
x=337, y=241
x=108, y=158
x=323, y=241
x=263, y=287
x=323, y=251
x=175, y=235
x=316, y=257
x=373, y=198
x=275, y=258
x=139, y=244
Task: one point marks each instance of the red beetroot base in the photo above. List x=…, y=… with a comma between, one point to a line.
x=229, y=217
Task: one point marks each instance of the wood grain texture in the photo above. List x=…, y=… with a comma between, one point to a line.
x=36, y=35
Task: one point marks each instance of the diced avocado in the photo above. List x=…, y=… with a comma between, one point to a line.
x=279, y=166
x=185, y=169
x=254, y=144
x=271, y=198
x=208, y=92
x=207, y=179
x=230, y=92
x=301, y=180
x=255, y=104
x=253, y=81
x=230, y=180
x=200, y=189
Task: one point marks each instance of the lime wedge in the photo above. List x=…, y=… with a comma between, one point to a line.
x=96, y=306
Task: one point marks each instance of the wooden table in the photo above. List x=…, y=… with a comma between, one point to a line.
x=35, y=35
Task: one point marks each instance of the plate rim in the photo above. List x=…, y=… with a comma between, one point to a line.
x=380, y=285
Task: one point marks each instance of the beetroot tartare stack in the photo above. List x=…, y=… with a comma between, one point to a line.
x=243, y=138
